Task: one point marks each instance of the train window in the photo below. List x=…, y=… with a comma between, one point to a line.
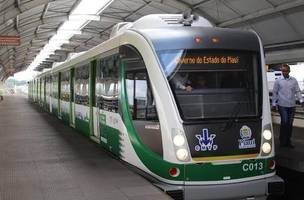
x=140, y=95
x=42, y=89
x=54, y=93
x=48, y=86
x=65, y=86
x=130, y=91
x=72, y=89
x=144, y=102
x=41, y=94
x=107, y=83
x=82, y=85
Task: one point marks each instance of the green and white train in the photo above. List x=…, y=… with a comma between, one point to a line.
x=182, y=101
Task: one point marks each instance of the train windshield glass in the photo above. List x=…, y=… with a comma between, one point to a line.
x=213, y=84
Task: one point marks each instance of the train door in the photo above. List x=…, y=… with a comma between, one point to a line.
x=51, y=93
x=59, y=95
x=47, y=93
x=39, y=85
x=72, y=97
x=41, y=91
x=141, y=103
x=82, y=111
x=106, y=124
x=44, y=93
x=96, y=128
x=98, y=103
x=94, y=110
x=55, y=95
x=34, y=89
x=37, y=91
x=65, y=96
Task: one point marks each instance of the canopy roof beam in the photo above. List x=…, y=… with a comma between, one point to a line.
x=263, y=13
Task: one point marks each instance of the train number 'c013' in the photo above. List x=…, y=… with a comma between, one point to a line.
x=252, y=167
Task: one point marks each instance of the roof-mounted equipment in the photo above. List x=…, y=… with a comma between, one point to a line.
x=187, y=18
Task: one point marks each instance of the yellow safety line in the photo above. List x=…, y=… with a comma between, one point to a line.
x=225, y=157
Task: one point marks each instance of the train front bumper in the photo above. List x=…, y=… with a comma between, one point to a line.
x=254, y=190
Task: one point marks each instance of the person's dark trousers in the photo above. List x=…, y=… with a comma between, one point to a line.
x=287, y=115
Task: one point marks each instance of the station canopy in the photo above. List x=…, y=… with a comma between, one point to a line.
x=26, y=26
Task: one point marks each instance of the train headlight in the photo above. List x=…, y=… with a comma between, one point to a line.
x=180, y=145
x=179, y=140
x=182, y=154
x=266, y=148
x=267, y=134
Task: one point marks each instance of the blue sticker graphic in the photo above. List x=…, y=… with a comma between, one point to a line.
x=206, y=141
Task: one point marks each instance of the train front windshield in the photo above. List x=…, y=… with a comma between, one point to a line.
x=215, y=84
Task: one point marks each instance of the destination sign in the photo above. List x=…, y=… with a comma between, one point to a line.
x=209, y=59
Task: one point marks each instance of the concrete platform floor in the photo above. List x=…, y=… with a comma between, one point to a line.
x=42, y=159
x=290, y=158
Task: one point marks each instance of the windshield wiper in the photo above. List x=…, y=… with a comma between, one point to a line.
x=233, y=117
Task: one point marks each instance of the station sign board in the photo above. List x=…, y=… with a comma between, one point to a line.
x=6, y=40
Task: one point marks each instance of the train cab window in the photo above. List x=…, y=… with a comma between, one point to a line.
x=107, y=83
x=140, y=97
x=65, y=86
x=142, y=106
x=130, y=91
x=213, y=84
x=82, y=85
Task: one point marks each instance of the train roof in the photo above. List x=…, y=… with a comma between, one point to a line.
x=185, y=38
x=173, y=31
x=177, y=31
x=159, y=21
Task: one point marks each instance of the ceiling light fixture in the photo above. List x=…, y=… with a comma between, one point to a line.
x=84, y=12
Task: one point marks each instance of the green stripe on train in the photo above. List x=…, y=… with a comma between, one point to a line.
x=54, y=111
x=111, y=139
x=65, y=117
x=210, y=172
x=82, y=126
x=47, y=107
x=152, y=161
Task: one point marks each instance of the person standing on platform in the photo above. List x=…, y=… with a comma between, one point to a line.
x=284, y=95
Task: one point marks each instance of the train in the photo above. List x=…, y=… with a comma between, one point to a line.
x=179, y=100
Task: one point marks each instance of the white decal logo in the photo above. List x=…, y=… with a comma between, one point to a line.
x=246, y=142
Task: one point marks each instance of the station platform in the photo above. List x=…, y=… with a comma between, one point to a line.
x=43, y=159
